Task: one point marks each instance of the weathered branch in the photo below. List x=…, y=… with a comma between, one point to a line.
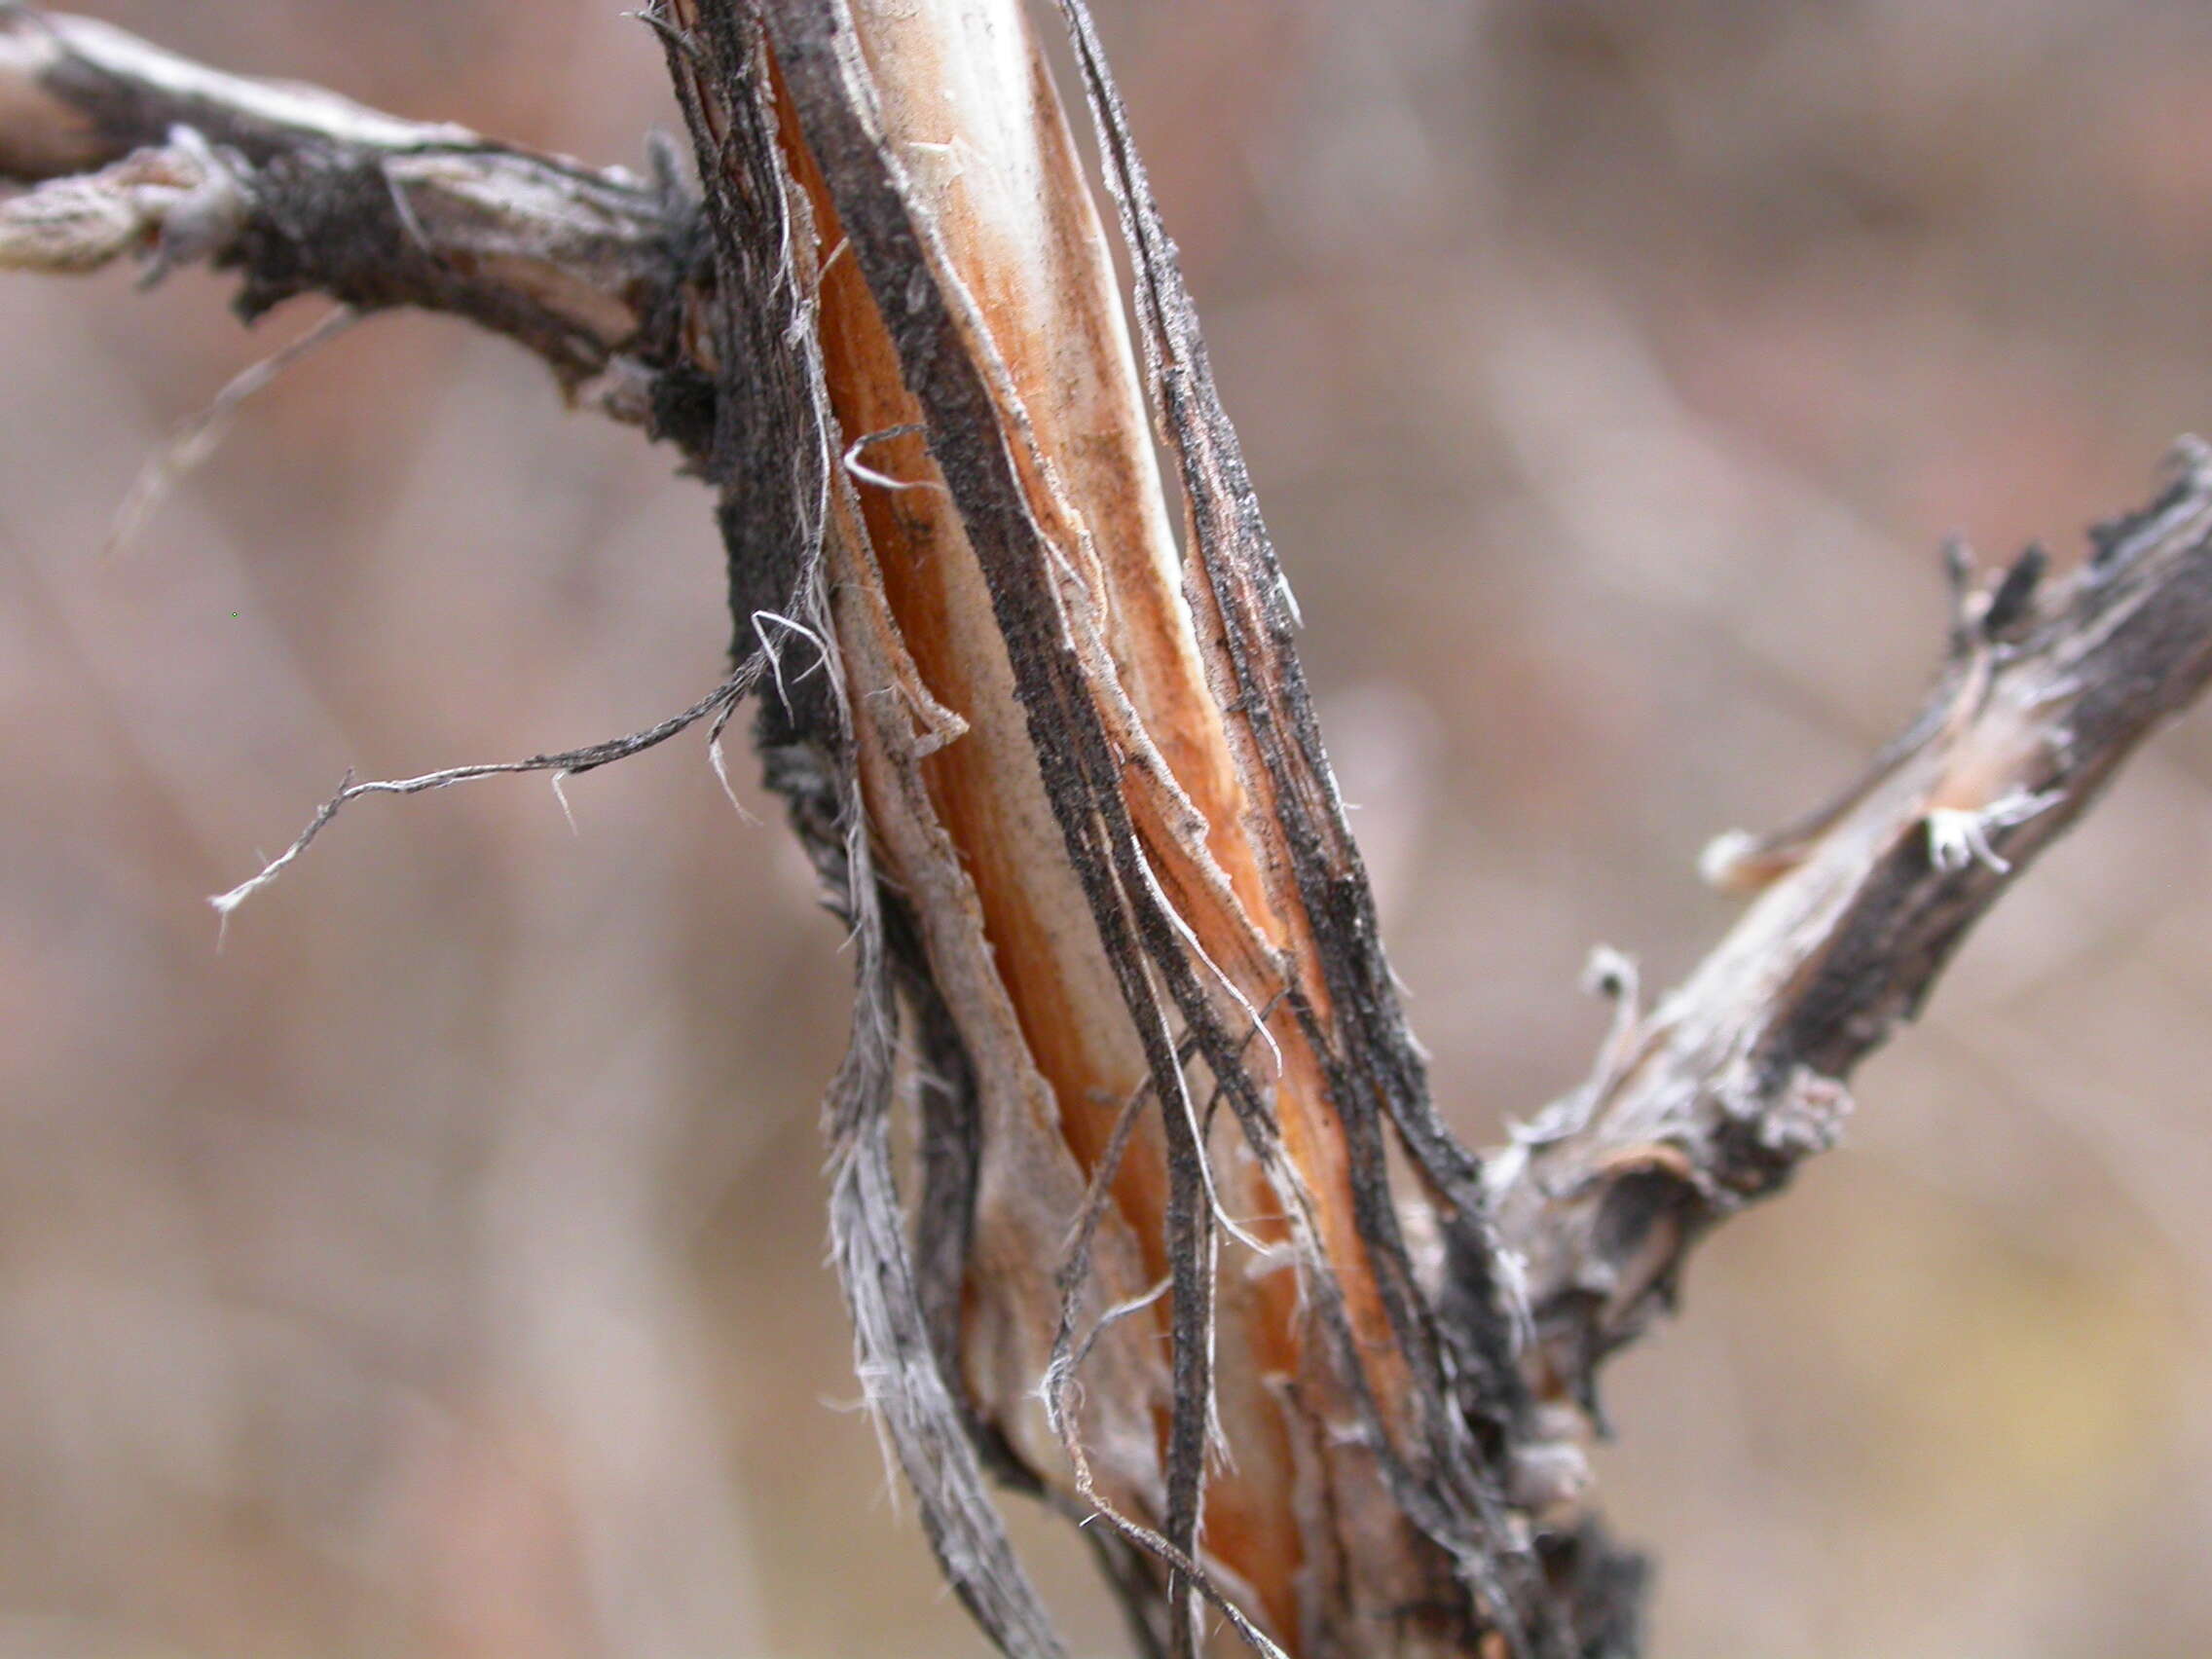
x=130, y=149
x=1712, y=1099
x=1062, y=778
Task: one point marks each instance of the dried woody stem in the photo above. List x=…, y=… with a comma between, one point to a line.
x=142, y=152
x=1324, y=1374
x=1712, y=1098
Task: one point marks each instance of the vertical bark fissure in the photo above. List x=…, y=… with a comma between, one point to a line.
x=820, y=62
x=1243, y=590
x=779, y=503
x=1396, y=1389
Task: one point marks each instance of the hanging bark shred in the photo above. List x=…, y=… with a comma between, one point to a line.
x=1058, y=771
x=1156, y=856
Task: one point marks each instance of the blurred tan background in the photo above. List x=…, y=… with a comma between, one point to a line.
x=437, y=1270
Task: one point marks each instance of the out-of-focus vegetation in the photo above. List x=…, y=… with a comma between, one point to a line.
x=437, y=1270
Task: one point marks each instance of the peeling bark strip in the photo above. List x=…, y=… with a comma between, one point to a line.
x=1216, y=880
x=797, y=584
x=1063, y=782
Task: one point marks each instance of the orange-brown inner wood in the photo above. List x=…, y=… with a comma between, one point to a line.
x=986, y=791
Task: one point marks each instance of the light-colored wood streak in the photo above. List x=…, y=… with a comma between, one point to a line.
x=969, y=111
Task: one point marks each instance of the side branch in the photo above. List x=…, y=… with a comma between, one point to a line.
x=125, y=148
x=1711, y=1100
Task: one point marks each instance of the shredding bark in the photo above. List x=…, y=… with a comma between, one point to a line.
x=1323, y=1373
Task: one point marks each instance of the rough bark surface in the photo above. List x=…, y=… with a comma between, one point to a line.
x=1323, y=1373
x=300, y=190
